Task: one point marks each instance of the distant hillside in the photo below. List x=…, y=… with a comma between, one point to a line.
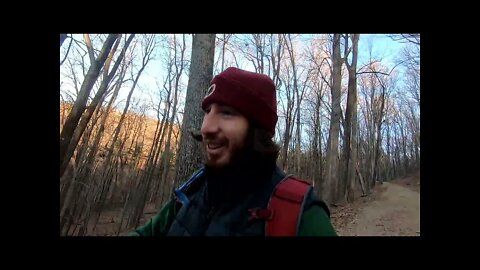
x=141, y=131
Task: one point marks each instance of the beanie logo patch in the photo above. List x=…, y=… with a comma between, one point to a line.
x=210, y=90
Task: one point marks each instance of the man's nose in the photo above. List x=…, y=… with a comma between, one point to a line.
x=210, y=124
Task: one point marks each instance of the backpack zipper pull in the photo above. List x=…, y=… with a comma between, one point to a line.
x=258, y=213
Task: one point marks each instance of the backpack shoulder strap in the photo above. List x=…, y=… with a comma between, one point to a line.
x=285, y=205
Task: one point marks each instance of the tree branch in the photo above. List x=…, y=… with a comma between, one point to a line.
x=91, y=54
x=68, y=50
x=373, y=72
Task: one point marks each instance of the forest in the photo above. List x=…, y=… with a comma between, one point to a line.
x=348, y=115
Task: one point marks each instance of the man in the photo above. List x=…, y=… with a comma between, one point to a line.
x=229, y=194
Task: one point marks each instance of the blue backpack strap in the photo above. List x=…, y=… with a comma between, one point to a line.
x=181, y=192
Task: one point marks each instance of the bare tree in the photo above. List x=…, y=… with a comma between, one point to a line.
x=407, y=38
x=100, y=184
x=96, y=101
x=80, y=104
x=275, y=57
x=299, y=95
x=253, y=48
x=179, y=66
x=147, y=49
x=350, y=143
x=225, y=40
x=317, y=59
x=317, y=133
x=159, y=138
x=62, y=38
x=331, y=167
x=288, y=112
x=201, y=69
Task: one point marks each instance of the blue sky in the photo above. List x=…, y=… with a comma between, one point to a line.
x=383, y=47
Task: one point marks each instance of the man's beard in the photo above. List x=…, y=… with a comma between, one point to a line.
x=246, y=155
x=236, y=155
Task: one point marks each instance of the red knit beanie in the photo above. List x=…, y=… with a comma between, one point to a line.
x=252, y=94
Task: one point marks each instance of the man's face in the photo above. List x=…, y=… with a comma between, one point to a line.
x=224, y=131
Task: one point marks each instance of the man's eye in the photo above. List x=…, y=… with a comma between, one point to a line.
x=226, y=112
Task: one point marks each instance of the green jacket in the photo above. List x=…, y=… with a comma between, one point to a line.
x=315, y=222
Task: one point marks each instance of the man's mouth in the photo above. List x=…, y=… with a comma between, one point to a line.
x=215, y=148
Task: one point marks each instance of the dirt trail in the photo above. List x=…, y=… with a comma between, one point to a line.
x=394, y=212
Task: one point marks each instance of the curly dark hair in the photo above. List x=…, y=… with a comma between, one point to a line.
x=260, y=142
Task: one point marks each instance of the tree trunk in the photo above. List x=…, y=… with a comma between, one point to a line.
x=296, y=91
x=167, y=153
x=289, y=115
x=80, y=104
x=378, y=144
x=147, y=51
x=389, y=155
x=91, y=108
x=331, y=177
x=350, y=149
x=201, y=71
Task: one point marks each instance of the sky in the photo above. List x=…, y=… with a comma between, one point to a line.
x=383, y=47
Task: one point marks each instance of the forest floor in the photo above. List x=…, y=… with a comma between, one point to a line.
x=392, y=209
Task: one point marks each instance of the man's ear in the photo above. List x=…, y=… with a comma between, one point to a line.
x=196, y=134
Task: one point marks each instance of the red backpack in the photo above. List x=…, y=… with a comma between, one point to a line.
x=284, y=210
